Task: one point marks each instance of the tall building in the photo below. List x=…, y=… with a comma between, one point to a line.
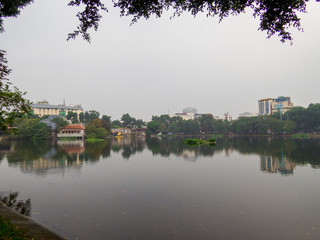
x=44, y=108
x=268, y=106
x=265, y=107
x=282, y=102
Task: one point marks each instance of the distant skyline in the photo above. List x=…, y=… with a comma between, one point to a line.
x=160, y=64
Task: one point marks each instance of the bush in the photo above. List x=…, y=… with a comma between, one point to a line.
x=91, y=135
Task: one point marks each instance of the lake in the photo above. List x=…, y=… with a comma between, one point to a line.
x=137, y=188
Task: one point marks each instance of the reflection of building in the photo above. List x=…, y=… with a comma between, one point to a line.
x=269, y=106
x=44, y=108
x=189, y=154
x=71, y=147
x=271, y=164
x=42, y=166
x=69, y=158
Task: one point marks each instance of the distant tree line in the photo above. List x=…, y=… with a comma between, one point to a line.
x=128, y=122
x=298, y=119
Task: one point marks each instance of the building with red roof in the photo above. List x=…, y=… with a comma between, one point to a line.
x=72, y=131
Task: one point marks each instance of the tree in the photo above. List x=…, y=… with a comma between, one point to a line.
x=153, y=127
x=101, y=132
x=189, y=127
x=275, y=16
x=116, y=124
x=60, y=122
x=33, y=128
x=95, y=129
x=73, y=116
x=206, y=123
x=127, y=120
x=139, y=123
x=11, y=9
x=313, y=118
x=12, y=103
x=90, y=115
x=106, y=124
x=106, y=118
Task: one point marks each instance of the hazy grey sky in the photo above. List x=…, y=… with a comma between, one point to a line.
x=160, y=64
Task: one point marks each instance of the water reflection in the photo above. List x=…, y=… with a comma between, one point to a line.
x=277, y=155
x=21, y=206
x=128, y=145
x=272, y=164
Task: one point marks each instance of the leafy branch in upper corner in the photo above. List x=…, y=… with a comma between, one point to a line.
x=12, y=103
x=89, y=17
x=276, y=16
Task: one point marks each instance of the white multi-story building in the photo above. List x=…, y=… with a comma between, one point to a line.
x=186, y=115
x=248, y=114
x=227, y=117
x=44, y=108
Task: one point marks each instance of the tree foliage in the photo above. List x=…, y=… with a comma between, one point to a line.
x=12, y=103
x=276, y=17
x=11, y=8
x=73, y=116
x=33, y=129
x=60, y=123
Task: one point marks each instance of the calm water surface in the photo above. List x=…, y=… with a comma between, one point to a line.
x=243, y=188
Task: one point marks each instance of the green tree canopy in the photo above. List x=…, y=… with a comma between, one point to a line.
x=12, y=102
x=33, y=128
x=127, y=120
x=60, y=122
x=73, y=116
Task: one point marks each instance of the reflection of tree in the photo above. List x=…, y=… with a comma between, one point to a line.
x=128, y=145
x=294, y=150
x=167, y=146
x=288, y=150
x=29, y=151
x=5, y=148
x=22, y=207
x=93, y=151
x=42, y=156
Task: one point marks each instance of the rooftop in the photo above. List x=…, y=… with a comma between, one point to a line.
x=44, y=105
x=74, y=127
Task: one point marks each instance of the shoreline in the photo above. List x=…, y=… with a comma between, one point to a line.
x=28, y=225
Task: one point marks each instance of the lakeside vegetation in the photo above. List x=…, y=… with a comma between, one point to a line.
x=298, y=120
x=9, y=231
x=300, y=136
x=94, y=140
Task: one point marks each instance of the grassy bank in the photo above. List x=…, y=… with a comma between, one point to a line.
x=300, y=136
x=94, y=140
x=8, y=231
